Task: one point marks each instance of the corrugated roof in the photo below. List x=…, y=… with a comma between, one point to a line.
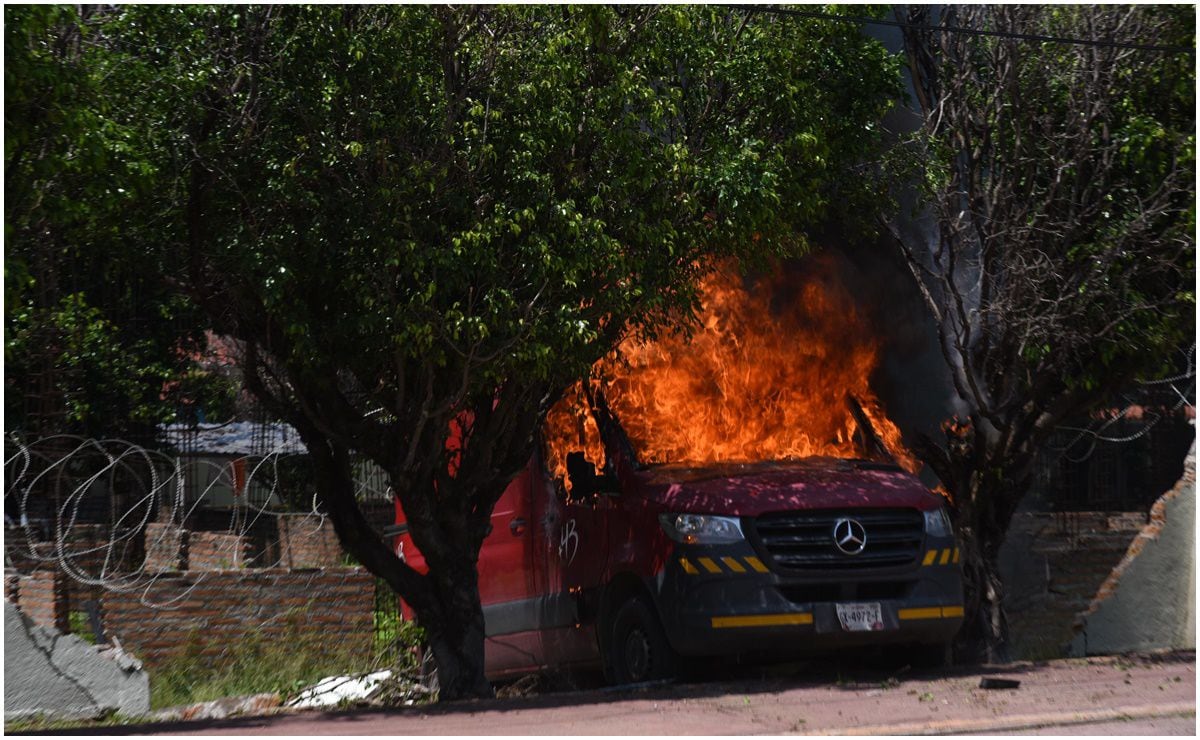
x=238, y=438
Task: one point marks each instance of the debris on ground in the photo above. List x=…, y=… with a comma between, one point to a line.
x=335, y=690
x=384, y=688
x=998, y=683
x=547, y=682
x=525, y=686
x=230, y=706
x=402, y=689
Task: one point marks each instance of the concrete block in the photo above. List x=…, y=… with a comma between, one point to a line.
x=62, y=677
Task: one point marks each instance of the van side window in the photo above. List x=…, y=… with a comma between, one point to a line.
x=571, y=444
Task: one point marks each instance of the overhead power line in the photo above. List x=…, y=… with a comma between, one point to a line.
x=962, y=29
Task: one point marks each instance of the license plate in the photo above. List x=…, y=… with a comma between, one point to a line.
x=860, y=617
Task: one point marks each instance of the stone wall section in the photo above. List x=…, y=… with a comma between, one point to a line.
x=210, y=613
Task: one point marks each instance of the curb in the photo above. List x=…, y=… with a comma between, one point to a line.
x=1018, y=722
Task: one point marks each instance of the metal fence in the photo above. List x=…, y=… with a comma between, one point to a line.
x=1127, y=470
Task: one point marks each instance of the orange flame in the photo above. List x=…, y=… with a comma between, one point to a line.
x=772, y=373
x=570, y=426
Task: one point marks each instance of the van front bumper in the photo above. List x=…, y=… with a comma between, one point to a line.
x=725, y=601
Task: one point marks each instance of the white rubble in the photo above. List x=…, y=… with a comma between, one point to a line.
x=335, y=689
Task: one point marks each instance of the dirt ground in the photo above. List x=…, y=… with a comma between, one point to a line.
x=1095, y=696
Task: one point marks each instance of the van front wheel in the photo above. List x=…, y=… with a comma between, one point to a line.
x=638, y=650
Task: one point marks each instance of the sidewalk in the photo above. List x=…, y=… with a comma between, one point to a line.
x=1068, y=694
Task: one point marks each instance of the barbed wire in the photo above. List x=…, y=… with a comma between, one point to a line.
x=1094, y=435
x=51, y=481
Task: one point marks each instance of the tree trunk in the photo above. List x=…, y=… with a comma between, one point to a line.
x=455, y=630
x=446, y=600
x=988, y=502
x=984, y=634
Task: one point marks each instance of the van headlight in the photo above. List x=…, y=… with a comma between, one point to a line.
x=701, y=529
x=937, y=523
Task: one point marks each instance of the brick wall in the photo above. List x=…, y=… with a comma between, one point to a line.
x=217, y=551
x=42, y=596
x=12, y=585
x=23, y=554
x=1053, y=564
x=89, y=552
x=307, y=542
x=213, y=612
x=171, y=548
x=89, y=549
x=166, y=547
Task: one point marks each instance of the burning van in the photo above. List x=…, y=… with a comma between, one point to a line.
x=740, y=492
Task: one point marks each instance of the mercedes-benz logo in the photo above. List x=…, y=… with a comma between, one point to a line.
x=849, y=536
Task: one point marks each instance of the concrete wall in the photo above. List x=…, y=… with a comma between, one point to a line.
x=60, y=676
x=1149, y=600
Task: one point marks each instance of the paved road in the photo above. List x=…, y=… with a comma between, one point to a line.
x=1078, y=697
x=1122, y=728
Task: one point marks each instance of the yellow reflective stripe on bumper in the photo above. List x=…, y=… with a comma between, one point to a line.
x=949, y=555
x=931, y=612
x=762, y=620
x=711, y=565
x=757, y=565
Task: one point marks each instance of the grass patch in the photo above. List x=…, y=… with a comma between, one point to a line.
x=395, y=636
x=281, y=663
x=81, y=627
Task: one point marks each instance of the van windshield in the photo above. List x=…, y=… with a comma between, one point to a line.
x=708, y=438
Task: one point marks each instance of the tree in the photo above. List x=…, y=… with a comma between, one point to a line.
x=91, y=333
x=423, y=223
x=1059, y=259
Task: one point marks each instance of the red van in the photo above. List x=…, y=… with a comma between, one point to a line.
x=642, y=565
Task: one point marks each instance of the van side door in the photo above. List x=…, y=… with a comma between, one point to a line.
x=507, y=588
x=570, y=561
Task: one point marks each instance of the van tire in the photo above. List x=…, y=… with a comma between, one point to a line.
x=638, y=650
